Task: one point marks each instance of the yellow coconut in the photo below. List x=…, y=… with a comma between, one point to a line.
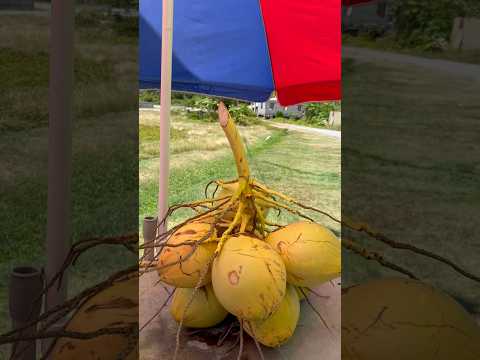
x=187, y=273
x=116, y=306
x=399, y=319
x=311, y=252
x=204, y=311
x=249, y=278
x=280, y=326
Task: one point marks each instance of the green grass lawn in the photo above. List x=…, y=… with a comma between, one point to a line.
x=105, y=71
x=303, y=166
x=105, y=147
x=101, y=182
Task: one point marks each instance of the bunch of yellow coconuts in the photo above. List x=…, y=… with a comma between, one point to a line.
x=259, y=281
x=227, y=260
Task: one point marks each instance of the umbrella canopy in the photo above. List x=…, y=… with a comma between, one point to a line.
x=245, y=50
x=238, y=49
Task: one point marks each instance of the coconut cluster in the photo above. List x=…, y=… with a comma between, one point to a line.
x=257, y=280
x=228, y=259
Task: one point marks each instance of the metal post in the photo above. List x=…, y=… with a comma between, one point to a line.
x=165, y=103
x=26, y=285
x=149, y=232
x=60, y=143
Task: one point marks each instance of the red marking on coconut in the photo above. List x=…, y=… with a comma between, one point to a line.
x=233, y=277
x=281, y=245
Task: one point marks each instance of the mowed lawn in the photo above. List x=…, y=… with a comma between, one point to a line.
x=306, y=167
x=100, y=207
x=105, y=147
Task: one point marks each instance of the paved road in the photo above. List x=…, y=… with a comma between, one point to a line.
x=471, y=71
x=305, y=129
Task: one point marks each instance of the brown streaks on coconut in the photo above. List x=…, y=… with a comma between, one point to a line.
x=181, y=265
x=311, y=252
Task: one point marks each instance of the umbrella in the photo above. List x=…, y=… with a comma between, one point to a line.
x=246, y=50
x=242, y=50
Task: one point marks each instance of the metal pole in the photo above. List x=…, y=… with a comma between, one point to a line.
x=165, y=103
x=59, y=144
x=25, y=302
x=149, y=232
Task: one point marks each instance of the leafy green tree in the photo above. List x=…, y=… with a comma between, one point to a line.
x=206, y=104
x=242, y=114
x=427, y=24
x=318, y=113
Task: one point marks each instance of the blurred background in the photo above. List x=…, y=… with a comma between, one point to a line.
x=410, y=150
x=104, y=137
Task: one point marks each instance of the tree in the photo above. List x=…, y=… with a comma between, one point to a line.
x=427, y=23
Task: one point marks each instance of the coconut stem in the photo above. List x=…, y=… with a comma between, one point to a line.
x=236, y=143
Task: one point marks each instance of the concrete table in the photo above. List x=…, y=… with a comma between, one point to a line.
x=310, y=341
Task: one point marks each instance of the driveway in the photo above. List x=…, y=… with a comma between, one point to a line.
x=455, y=68
x=305, y=129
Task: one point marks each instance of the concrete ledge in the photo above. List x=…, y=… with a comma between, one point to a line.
x=311, y=340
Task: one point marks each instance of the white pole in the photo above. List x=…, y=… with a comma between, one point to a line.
x=165, y=102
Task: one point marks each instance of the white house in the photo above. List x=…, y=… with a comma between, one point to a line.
x=271, y=108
